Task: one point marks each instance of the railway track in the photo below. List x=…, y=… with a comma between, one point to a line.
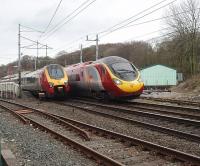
x=174, y=110
x=142, y=110
x=118, y=149
x=173, y=101
x=124, y=114
x=185, y=112
x=66, y=138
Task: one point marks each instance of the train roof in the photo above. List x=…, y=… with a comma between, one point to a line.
x=13, y=76
x=106, y=60
x=33, y=74
x=111, y=59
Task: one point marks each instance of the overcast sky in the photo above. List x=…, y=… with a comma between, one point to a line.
x=99, y=16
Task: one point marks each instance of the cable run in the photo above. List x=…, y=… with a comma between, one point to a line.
x=68, y=19
x=108, y=29
x=111, y=31
x=141, y=23
x=52, y=18
x=135, y=19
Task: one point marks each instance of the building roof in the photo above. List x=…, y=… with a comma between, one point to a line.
x=157, y=65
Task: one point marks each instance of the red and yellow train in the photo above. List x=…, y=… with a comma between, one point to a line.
x=111, y=77
x=50, y=81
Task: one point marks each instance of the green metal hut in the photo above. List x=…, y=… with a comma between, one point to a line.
x=158, y=76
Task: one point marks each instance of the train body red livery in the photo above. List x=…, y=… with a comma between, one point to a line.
x=50, y=81
x=111, y=77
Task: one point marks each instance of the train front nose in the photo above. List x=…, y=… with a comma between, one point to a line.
x=131, y=87
x=61, y=86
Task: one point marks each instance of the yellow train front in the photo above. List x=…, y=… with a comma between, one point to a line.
x=50, y=81
x=110, y=77
x=120, y=78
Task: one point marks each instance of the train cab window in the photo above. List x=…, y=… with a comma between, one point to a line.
x=124, y=70
x=55, y=72
x=30, y=79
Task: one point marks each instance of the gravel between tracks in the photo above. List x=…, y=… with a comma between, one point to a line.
x=118, y=126
x=35, y=148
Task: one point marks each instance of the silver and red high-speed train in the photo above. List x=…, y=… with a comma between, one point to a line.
x=50, y=81
x=111, y=77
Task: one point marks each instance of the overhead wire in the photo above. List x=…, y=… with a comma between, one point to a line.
x=26, y=27
x=111, y=31
x=54, y=14
x=135, y=15
x=153, y=6
x=67, y=44
x=141, y=23
x=68, y=19
x=127, y=23
x=147, y=34
x=157, y=19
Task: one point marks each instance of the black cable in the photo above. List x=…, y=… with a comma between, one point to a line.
x=148, y=21
x=53, y=16
x=108, y=29
x=137, y=19
x=68, y=19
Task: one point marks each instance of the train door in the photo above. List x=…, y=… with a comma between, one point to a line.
x=93, y=79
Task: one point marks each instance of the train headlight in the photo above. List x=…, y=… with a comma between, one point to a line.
x=51, y=84
x=116, y=81
x=65, y=82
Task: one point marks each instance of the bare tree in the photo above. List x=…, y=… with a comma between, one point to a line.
x=184, y=25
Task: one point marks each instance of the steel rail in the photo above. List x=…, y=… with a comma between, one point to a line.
x=80, y=131
x=86, y=150
x=156, y=109
x=107, y=161
x=159, y=110
x=100, y=158
x=185, y=108
x=17, y=115
x=135, y=141
x=144, y=113
x=161, y=129
x=83, y=133
x=186, y=102
x=164, y=105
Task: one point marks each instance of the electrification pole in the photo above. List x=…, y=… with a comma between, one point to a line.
x=46, y=49
x=97, y=45
x=81, y=54
x=36, y=57
x=19, y=62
